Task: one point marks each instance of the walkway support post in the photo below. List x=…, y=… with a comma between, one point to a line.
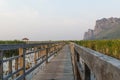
x=1, y=65
x=35, y=56
x=16, y=65
x=10, y=67
x=75, y=61
x=47, y=55
x=22, y=61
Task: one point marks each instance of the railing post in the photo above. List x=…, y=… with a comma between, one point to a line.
x=54, y=48
x=46, y=55
x=1, y=65
x=73, y=60
x=87, y=72
x=76, y=64
x=24, y=67
x=22, y=61
x=39, y=53
x=10, y=67
x=35, y=56
x=16, y=65
x=77, y=56
x=48, y=46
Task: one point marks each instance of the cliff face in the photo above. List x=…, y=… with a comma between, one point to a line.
x=89, y=34
x=105, y=25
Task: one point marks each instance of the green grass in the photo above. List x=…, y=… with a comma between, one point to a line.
x=11, y=53
x=11, y=42
x=107, y=47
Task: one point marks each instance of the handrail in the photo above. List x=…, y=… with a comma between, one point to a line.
x=41, y=51
x=91, y=64
x=16, y=46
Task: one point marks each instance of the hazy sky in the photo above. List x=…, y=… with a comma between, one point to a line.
x=52, y=19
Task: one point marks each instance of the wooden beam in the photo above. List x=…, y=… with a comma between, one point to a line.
x=21, y=60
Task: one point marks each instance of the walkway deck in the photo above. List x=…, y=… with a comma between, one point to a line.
x=59, y=68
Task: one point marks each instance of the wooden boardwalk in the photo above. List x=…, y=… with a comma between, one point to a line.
x=59, y=68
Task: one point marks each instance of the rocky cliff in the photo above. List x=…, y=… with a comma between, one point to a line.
x=106, y=28
x=89, y=34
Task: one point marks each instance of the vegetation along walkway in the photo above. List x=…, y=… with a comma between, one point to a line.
x=59, y=68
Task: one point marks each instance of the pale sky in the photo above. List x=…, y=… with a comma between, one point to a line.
x=52, y=19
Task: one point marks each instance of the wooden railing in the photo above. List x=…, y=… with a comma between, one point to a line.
x=91, y=65
x=42, y=52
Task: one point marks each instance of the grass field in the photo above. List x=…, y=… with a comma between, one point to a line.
x=11, y=42
x=108, y=47
x=11, y=53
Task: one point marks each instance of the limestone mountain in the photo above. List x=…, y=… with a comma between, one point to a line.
x=106, y=28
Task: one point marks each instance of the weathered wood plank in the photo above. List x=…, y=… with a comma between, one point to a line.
x=59, y=68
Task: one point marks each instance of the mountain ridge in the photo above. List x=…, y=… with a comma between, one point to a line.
x=106, y=28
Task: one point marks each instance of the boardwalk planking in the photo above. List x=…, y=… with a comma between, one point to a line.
x=59, y=68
